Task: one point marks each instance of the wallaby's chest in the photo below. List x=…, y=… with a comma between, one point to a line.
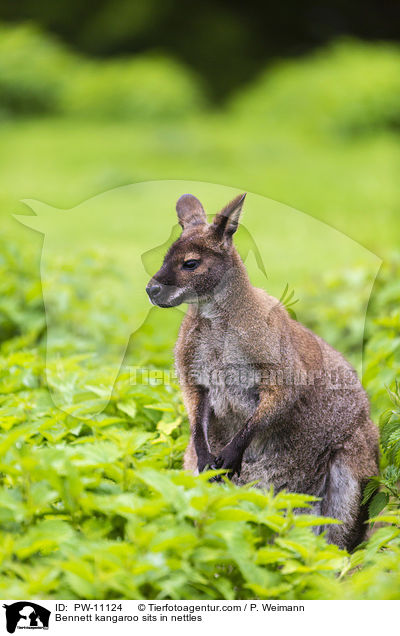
x=220, y=364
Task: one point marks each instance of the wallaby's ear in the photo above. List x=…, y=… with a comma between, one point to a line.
x=190, y=211
x=226, y=222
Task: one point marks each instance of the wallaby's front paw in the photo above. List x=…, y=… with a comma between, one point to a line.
x=231, y=460
x=206, y=462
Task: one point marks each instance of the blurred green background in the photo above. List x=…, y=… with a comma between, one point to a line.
x=318, y=130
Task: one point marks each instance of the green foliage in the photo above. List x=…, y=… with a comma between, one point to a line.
x=288, y=301
x=338, y=323
x=90, y=125
x=39, y=75
x=339, y=320
x=347, y=89
x=141, y=88
x=100, y=508
x=32, y=70
x=383, y=492
x=383, y=328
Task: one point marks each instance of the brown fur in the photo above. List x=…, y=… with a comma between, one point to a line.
x=267, y=399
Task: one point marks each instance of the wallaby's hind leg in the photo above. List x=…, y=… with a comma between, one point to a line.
x=190, y=458
x=342, y=500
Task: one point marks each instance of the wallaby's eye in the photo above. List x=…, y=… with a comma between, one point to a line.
x=191, y=264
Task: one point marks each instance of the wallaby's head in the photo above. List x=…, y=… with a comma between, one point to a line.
x=198, y=262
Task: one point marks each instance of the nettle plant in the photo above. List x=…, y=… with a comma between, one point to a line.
x=383, y=491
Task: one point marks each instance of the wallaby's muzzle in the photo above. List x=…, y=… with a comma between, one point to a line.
x=164, y=295
x=153, y=290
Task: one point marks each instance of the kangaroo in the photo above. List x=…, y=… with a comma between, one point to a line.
x=267, y=399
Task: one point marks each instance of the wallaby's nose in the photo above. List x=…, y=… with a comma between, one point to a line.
x=153, y=290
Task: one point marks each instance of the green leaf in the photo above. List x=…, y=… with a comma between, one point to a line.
x=128, y=407
x=378, y=503
x=371, y=487
x=168, y=427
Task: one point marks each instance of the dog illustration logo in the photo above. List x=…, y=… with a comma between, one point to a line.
x=26, y=615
